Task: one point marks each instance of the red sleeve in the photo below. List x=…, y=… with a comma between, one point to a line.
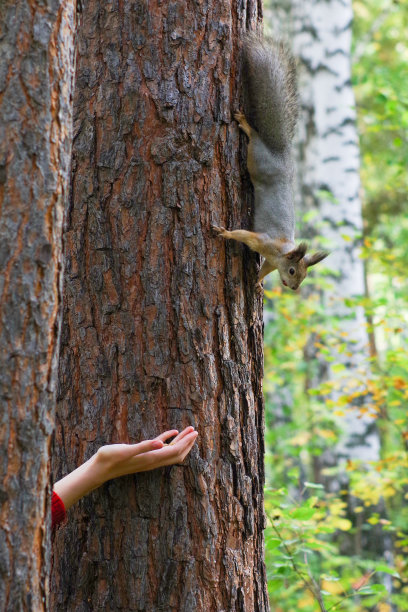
x=58, y=512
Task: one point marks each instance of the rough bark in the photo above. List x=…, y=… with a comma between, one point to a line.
x=162, y=325
x=36, y=71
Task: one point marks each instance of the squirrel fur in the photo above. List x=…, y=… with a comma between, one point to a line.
x=273, y=108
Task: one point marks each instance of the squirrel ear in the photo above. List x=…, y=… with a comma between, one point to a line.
x=311, y=260
x=298, y=253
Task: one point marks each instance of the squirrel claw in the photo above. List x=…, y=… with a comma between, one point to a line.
x=259, y=288
x=219, y=230
x=239, y=116
x=243, y=123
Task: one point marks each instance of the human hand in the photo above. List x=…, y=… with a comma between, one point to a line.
x=115, y=460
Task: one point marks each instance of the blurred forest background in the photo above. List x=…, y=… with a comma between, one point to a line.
x=336, y=400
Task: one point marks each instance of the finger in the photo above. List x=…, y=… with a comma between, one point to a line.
x=145, y=447
x=188, y=443
x=181, y=442
x=177, y=452
x=188, y=449
x=185, y=452
x=182, y=434
x=167, y=434
x=168, y=455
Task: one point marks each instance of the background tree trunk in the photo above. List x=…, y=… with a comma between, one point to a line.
x=328, y=167
x=162, y=325
x=36, y=72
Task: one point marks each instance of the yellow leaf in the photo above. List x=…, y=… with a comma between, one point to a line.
x=326, y=433
x=306, y=601
x=384, y=607
x=399, y=383
x=342, y=523
x=269, y=294
x=334, y=588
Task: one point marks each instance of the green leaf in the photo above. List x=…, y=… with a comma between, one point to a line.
x=303, y=514
x=272, y=543
x=387, y=570
x=275, y=584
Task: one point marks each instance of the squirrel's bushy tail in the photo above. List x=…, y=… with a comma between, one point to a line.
x=270, y=84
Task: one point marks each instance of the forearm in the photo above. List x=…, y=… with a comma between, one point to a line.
x=80, y=482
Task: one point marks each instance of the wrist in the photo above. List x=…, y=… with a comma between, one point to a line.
x=102, y=467
x=89, y=476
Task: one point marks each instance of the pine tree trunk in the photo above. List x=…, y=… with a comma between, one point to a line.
x=36, y=72
x=162, y=325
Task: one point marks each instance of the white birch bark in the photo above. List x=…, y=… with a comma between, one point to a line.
x=328, y=181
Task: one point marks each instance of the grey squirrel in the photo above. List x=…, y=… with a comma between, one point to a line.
x=270, y=88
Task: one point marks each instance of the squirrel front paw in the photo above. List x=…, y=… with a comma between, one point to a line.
x=219, y=230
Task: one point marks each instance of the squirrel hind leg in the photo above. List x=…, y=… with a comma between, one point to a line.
x=243, y=123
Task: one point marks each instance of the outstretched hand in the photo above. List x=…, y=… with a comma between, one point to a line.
x=120, y=459
x=114, y=460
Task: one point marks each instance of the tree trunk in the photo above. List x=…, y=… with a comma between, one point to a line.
x=329, y=168
x=329, y=183
x=36, y=72
x=162, y=325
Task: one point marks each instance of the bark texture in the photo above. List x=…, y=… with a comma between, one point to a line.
x=162, y=325
x=36, y=72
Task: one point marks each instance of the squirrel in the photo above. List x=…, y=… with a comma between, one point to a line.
x=272, y=100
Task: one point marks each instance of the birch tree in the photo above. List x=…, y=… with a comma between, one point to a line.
x=328, y=190
x=36, y=72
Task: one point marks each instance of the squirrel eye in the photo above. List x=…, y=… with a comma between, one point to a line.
x=291, y=271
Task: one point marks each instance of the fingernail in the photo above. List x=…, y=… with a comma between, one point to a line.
x=157, y=444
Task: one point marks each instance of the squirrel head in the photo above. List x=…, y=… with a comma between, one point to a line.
x=293, y=266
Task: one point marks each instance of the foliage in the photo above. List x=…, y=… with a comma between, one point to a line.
x=306, y=523
x=309, y=524
x=381, y=87
x=299, y=550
